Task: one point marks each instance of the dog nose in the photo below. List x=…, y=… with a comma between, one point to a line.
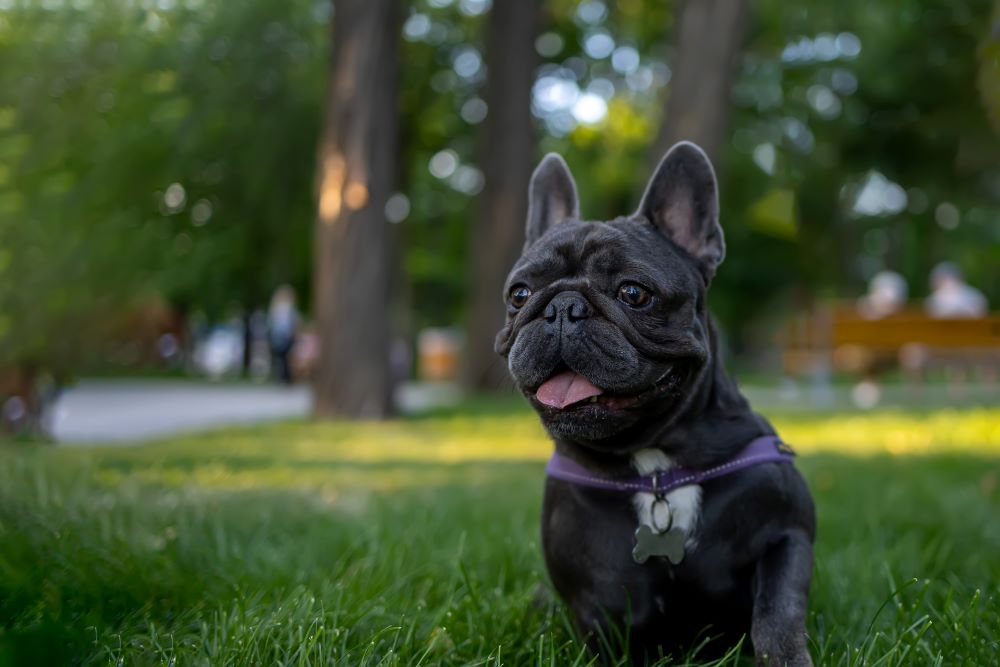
x=570, y=305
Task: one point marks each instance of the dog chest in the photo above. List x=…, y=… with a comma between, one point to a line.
x=682, y=508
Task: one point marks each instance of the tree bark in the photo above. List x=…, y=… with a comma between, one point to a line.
x=707, y=40
x=507, y=155
x=355, y=169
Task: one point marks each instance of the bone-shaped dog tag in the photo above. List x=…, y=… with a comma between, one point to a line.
x=669, y=544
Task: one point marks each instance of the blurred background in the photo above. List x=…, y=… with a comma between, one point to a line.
x=214, y=211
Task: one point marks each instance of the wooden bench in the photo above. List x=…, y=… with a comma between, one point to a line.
x=836, y=337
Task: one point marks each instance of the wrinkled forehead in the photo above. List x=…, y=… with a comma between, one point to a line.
x=621, y=248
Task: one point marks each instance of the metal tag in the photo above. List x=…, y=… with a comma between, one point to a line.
x=669, y=544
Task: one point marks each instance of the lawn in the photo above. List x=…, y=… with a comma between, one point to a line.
x=416, y=542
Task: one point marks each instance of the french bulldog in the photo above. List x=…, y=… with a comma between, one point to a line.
x=609, y=337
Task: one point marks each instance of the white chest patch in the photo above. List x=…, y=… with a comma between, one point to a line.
x=684, y=502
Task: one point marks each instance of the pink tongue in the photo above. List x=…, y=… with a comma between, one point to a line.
x=565, y=389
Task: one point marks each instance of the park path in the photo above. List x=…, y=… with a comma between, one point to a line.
x=131, y=411
x=126, y=411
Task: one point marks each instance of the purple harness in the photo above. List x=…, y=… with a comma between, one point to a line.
x=765, y=449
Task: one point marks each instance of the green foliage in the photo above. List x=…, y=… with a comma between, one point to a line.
x=168, y=149
x=902, y=107
x=893, y=103
x=150, y=151
x=989, y=70
x=417, y=542
x=433, y=238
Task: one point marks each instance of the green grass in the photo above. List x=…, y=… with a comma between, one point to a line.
x=416, y=542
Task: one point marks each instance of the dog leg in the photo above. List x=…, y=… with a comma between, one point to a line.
x=781, y=589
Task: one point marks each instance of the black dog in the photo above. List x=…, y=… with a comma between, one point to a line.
x=609, y=337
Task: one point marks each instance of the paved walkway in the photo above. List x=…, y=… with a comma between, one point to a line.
x=124, y=411
x=130, y=411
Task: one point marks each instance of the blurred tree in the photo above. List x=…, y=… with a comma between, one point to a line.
x=882, y=167
x=708, y=35
x=441, y=106
x=354, y=175
x=74, y=242
x=989, y=69
x=147, y=152
x=507, y=153
x=167, y=150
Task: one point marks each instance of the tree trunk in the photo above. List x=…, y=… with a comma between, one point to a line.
x=707, y=41
x=355, y=170
x=507, y=155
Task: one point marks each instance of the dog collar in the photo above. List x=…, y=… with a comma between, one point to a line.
x=765, y=449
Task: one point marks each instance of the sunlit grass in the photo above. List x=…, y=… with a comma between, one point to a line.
x=400, y=454
x=416, y=542
x=974, y=431
x=517, y=436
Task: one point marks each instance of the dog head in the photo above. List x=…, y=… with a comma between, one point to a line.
x=607, y=329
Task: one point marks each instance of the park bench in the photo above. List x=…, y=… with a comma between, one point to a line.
x=836, y=337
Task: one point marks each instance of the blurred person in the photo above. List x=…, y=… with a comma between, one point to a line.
x=951, y=296
x=259, y=367
x=282, y=325
x=887, y=292
x=220, y=352
x=400, y=360
x=306, y=353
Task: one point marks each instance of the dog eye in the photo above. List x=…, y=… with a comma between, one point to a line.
x=634, y=295
x=518, y=296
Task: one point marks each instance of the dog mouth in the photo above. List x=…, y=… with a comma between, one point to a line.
x=569, y=390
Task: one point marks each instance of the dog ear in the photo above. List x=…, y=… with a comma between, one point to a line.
x=682, y=199
x=551, y=197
